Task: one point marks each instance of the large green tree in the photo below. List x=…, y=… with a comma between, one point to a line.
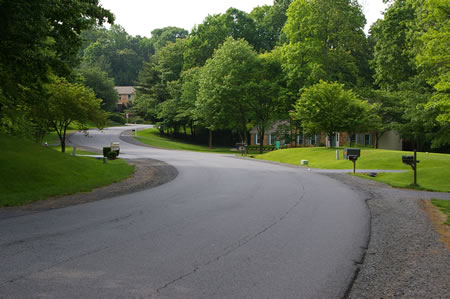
x=70, y=103
x=325, y=41
x=225, y=84
x=101, y=84
x=209, y=35
x=330, y=108
x=37, y=38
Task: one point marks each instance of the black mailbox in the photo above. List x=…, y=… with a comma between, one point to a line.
x=408, y=159
x=351, y=152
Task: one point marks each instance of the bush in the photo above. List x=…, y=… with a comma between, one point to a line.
x=266, y=148
x=117, y=118
x=112, y=155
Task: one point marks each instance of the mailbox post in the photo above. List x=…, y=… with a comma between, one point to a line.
x=412, y=161
x=352, y=154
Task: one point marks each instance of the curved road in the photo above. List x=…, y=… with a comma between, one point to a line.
x=223, y=228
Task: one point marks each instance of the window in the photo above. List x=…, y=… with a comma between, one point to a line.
x=256, y=139
x=367, y=139
x=312, y=140
x=299, y=139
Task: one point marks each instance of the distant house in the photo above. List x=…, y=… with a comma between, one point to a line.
x=280, y=129
x=126, y=96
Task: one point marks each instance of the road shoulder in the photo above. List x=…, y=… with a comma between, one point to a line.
x=405, y=256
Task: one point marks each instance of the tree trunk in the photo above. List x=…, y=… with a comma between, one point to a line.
x=261, y=141
x=63, y=144
x=192, y=129
x=210, y=138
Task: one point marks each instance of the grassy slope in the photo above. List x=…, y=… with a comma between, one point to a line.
x=151, y=137
x=32, y=172
x=433, y=170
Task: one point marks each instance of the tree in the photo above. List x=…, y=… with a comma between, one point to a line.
x=326, y=41
x=393, y=57
x=162, y=36
x=270, y=21
x=70, y=103
x=225, y=83
x=328, y=107
x=264, y=89
x=39, y=37
x=117, y=53
x=102, y=85
x=209, y=35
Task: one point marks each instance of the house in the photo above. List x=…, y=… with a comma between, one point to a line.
x=126, y=96
x=280, y=131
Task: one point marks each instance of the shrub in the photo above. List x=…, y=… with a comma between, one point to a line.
x=117, y=118
x=111, y=155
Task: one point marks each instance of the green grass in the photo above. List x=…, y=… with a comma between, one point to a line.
x=444, y=206
x=433, y=170
x=31, y=172
x=151, y=137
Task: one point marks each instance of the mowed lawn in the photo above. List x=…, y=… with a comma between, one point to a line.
x=433, y=169
x=31, y=172
x=153, y=138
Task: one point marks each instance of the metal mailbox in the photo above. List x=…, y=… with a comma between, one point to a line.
x=352, y=152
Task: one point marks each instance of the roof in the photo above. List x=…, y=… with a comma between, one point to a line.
x=125, y=89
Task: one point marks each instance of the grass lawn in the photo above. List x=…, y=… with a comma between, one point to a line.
x=444, y=206
x=151, y=137
x=433, y=172
x=31, y=172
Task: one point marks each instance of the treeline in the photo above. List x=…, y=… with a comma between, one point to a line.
x=304, y=61
x=236, y=71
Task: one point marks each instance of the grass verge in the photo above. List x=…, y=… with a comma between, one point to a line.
x=152, y=137
x=433, y=172
x=31, y=172
x=444, y=206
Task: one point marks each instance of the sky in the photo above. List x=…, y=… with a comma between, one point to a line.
x=140, y=17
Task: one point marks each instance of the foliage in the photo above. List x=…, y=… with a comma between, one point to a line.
x=213, y=32
x=225, y=87
x=71, y=103
x=101, y=85
x=115, y=52
x=116, y=117
x=328, y=107
x=152, y=137
x=326, y=42
x=39, y=37
x=265, y=90
x=49, y=172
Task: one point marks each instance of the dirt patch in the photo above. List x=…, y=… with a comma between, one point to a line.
x=437, y=218
x=149, y=173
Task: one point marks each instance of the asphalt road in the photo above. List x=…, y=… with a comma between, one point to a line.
x=223, y=228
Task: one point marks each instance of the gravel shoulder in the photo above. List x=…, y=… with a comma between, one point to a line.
x=405, y=256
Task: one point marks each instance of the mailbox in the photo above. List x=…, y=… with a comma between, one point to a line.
x=352, y=152
x=408, y=159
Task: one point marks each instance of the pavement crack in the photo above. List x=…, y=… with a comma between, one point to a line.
x=65, y=261
x=240, y=243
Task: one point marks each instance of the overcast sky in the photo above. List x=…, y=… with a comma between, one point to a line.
x=140, y=17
